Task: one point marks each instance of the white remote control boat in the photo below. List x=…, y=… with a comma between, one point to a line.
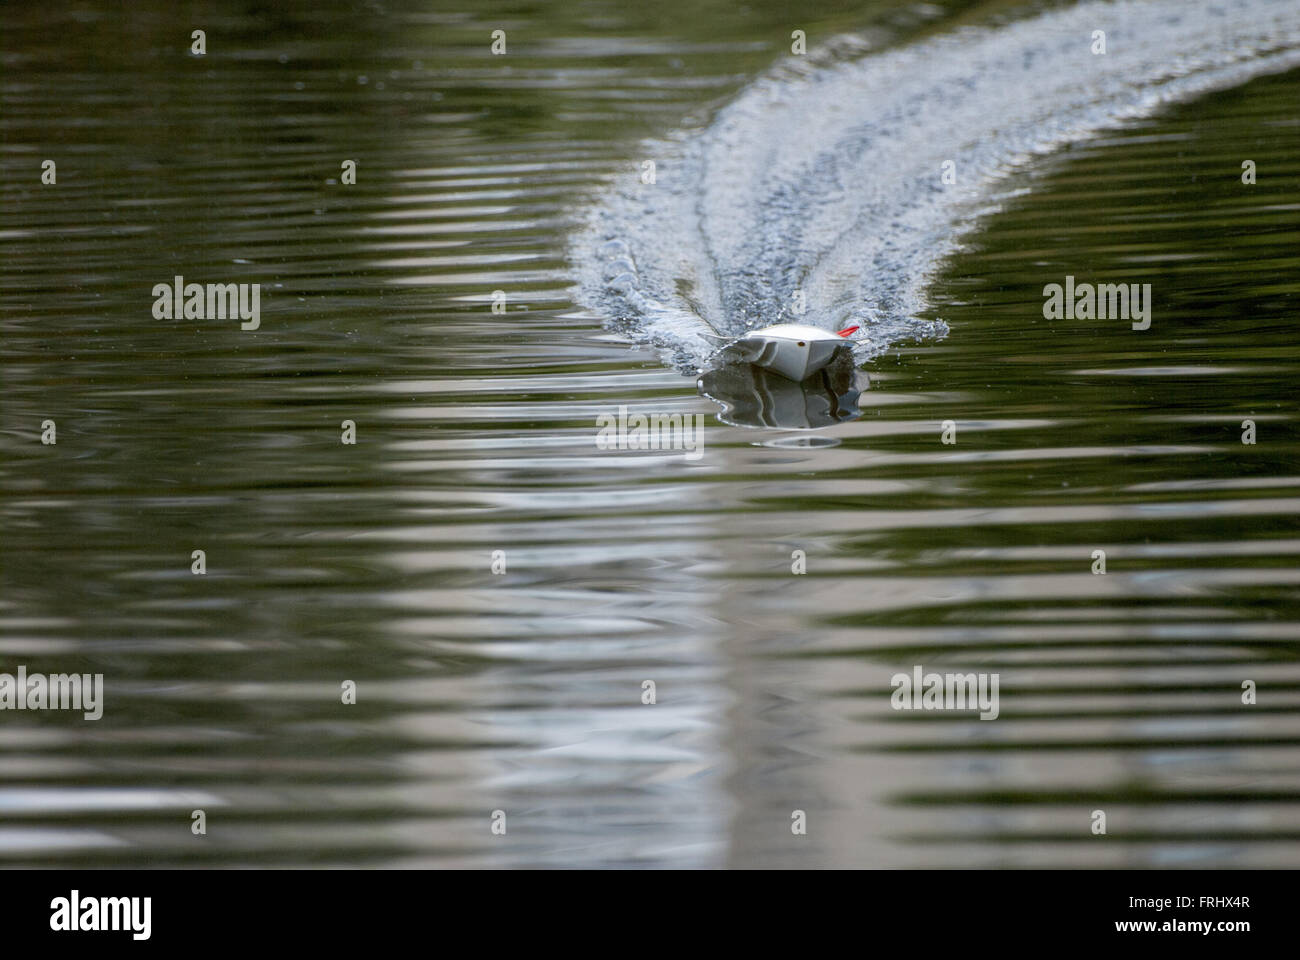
x=794, y=350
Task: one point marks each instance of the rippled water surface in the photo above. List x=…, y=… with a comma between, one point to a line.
x=522, y=691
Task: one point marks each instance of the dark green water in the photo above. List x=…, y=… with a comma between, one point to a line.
x=522, y=692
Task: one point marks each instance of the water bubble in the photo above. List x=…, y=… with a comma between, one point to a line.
x=614, y=248
x=620, y=265
x=623, y=283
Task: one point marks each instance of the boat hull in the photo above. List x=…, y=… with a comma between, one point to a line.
x=794, y=351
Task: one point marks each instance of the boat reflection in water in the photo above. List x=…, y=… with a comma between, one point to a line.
x=755, y=397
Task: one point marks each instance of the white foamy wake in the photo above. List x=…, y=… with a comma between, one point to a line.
x=825, y=179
